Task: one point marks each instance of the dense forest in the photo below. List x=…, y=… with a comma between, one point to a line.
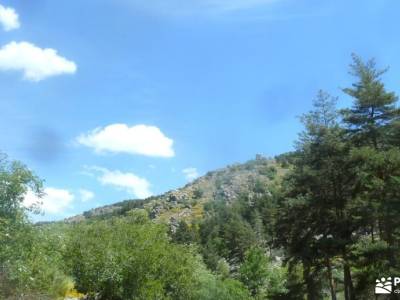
x=325, y=225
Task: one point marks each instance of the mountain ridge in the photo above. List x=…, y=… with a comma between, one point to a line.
x=187, y=202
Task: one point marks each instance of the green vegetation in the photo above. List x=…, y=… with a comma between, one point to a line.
x=320, y=222
x=29, y=262
x=339, y=207
x=141, y=263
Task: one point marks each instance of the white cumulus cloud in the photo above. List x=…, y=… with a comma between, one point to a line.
x=129, y=182
x=86, y=195
x=8, y=18
x=190, y=173
x=54, y=201
x=35, y=63
x=120, y=138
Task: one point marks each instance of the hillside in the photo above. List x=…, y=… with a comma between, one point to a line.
x=187, y=203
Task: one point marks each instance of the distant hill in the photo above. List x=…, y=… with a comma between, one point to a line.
x=187, y=203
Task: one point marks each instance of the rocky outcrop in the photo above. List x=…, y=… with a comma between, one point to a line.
x=227, y=184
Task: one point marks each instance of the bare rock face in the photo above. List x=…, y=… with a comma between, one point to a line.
x=226, y=192
x=156, y=211
x=178, y=197
x=186, y=212
x=173, y=224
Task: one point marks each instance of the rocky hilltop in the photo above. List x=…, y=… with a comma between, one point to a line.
x=187, y=203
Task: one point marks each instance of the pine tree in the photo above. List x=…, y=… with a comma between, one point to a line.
x=373, y=129
x=374, y=108
x=315, y=216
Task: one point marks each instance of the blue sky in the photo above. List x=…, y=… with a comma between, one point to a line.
x=137, y=97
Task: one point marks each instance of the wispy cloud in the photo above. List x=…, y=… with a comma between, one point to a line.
x=54, y=200
x=35, y=63
x=190, y=173
x=129, y=182
x=86, y=195
x=120, y=138
x=8, y=18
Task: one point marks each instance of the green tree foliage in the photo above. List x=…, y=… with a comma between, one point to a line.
x=313, y=220
x=29, y=265
x=372, y=126
x=122, y=258
x=185, y=234
x=374, y=109
x=222, y=287
x=262, y=278
x=225, y=234
x=15, y=180
x=132, y=260
x=338, y=206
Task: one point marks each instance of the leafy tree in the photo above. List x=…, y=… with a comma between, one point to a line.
x=261, y=277
x=30, y=263
x=123, y=259
x=223, y=268
x=185, y=234
x=15, y=181
x=218, y=287
x=253, y=272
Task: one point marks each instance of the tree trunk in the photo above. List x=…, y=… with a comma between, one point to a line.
x=372, y=233
x=330, y=279
x=348, y=283
x=311, y=285
x=390, y=240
